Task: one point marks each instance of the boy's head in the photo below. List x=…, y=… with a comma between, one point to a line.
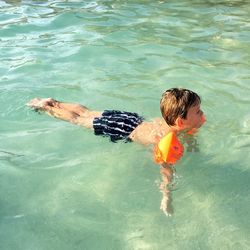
x=181, y=108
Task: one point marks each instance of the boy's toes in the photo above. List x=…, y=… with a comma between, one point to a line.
x=34, y=102
x=38, y=103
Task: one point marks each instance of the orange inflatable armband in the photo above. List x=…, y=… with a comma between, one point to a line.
x=168, y=150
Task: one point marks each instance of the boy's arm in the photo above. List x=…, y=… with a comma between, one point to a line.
x=166, y=173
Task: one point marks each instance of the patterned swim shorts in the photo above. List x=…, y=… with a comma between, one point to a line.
x=118, y=125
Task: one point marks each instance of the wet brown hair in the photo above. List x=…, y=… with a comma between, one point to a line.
x=176, y=102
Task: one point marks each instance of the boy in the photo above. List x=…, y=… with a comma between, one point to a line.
x=180, y=110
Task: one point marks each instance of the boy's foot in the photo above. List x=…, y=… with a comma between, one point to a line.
x=40, y=104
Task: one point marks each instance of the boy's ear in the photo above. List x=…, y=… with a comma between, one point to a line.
x=179, y=122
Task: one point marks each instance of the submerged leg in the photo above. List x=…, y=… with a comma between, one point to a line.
x=74, y=113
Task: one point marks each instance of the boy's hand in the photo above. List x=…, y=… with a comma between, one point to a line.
x=164, y=206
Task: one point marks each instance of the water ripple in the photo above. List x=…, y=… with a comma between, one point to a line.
x=121, y=54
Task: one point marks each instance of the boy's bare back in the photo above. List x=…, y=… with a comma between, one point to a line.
x=149, y=132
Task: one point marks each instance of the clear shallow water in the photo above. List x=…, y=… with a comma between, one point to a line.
x=62, y=187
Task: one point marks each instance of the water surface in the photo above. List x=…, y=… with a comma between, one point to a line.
x=62, y=187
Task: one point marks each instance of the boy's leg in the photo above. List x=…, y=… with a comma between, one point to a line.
x=74, y=113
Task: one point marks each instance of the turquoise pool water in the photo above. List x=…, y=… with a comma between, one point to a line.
x=63, y=188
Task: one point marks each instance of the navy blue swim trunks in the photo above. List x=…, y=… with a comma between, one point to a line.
x=118, y=125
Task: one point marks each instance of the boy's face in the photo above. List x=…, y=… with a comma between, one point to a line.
x=195, y=118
